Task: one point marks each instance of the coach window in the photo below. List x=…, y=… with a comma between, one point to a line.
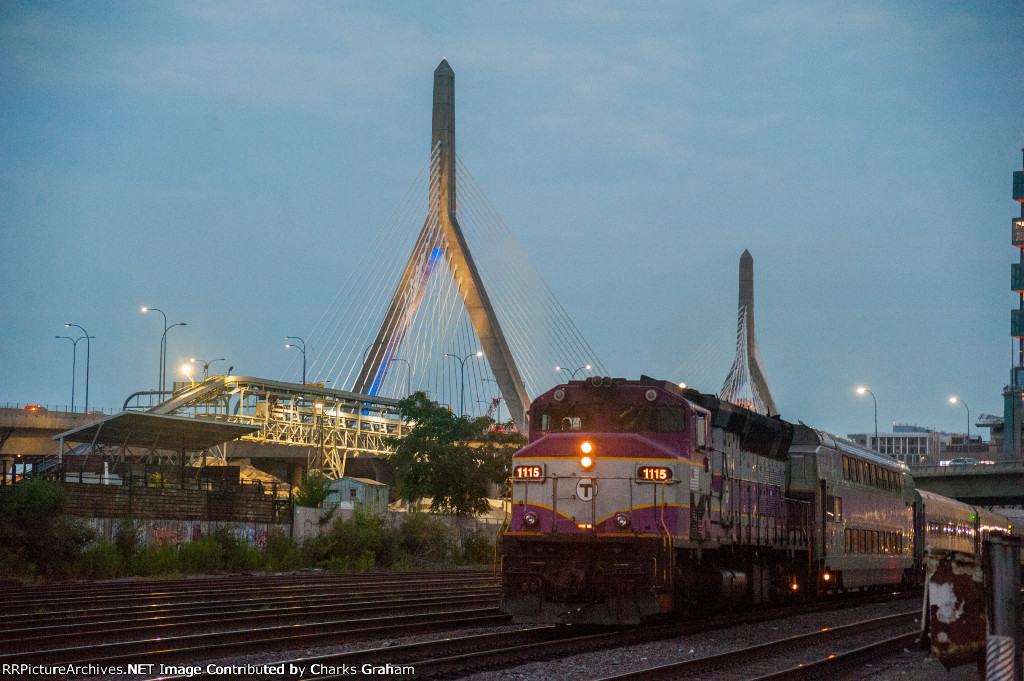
x=846, y=467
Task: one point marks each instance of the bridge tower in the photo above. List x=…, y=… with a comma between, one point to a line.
x=747, y=383
x=451, y=246
x=1013, y=395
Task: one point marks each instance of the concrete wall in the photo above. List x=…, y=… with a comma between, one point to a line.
x=158, y=532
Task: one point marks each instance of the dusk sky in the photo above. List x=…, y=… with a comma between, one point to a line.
x=231, y=163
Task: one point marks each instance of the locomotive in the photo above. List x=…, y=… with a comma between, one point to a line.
x=638, y=497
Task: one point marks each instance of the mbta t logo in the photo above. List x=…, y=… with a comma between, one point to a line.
x=586, y=489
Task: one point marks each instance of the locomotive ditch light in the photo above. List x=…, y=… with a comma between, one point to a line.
x=794, y=586
x=826, y=576
x=621, y=521
x=530, y=519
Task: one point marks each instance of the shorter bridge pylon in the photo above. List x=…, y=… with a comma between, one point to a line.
x=747, y=384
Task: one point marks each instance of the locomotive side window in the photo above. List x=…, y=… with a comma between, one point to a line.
x=702, y=431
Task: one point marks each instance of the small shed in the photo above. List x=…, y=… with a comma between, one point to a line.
x=347, y=493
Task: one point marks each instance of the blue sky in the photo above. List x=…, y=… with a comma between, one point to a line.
x=229, y=163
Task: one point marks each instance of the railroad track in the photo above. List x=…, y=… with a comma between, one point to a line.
x=817, y=651
x=253, y=600
x=469, y=654
x=124, y=595
x=180, y=620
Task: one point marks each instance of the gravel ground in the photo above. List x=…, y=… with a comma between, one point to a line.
x=910, y=665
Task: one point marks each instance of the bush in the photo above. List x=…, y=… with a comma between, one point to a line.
x=478, y=550
x=425, y=540
x=283, y=555
x=33, y=529
x=238, y=554
x=351, y=544
x=128, y=539
x=201, y=557
x=102, y=560
x=157, y=560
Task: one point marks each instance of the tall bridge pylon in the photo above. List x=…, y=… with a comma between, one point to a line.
x=441, y=238
x=747, y=384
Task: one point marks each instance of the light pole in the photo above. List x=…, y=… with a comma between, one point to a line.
x=88, y=353
x=210, y=363
x=302, y=349
x=860, y=391
x=163, y=339
x=163, y=345
x=408, y=375
x=206, y=365
x=573, y=371
x=462, y=374
x=74, y=355
x=967, y=442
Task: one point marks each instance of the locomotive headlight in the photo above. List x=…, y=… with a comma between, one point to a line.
x=586, y=462
x=622, y=520
x=586, y=448
x=530, y=519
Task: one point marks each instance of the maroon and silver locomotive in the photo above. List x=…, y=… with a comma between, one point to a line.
x=634, y=498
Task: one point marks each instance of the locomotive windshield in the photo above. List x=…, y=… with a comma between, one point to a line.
x=566, y=418
x=632, y=418
x=650, y=418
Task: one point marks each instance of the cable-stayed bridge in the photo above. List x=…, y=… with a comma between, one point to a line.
x=445, y=301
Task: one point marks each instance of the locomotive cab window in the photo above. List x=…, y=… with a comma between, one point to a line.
x=565, y=419
x=650, y=418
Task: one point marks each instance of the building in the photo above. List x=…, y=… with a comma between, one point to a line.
x=347, y=493
x=912, y=445
x=1013, y=394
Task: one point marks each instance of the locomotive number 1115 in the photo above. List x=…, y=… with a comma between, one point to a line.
x=528, y=472
x=658, y=473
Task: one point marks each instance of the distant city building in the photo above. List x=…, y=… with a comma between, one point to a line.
x=1013, y=394
x=919, y=446
x=912, y=445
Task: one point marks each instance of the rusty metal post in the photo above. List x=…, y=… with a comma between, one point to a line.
x=954, y=607
x=1002, y=575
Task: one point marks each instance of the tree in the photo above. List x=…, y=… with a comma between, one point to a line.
x=452, y=459
x=34, y=530
x=313, y=490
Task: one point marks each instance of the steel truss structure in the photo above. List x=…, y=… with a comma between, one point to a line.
x=331, y=424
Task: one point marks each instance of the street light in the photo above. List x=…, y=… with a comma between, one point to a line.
x=206, y=365
x=74, y=354
x=163, y=340
x=187, y=370
x=88, y=352
x=573, y=371
x=302, y=349
x=860, y=391
x=967, y=442
x=462, y=374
